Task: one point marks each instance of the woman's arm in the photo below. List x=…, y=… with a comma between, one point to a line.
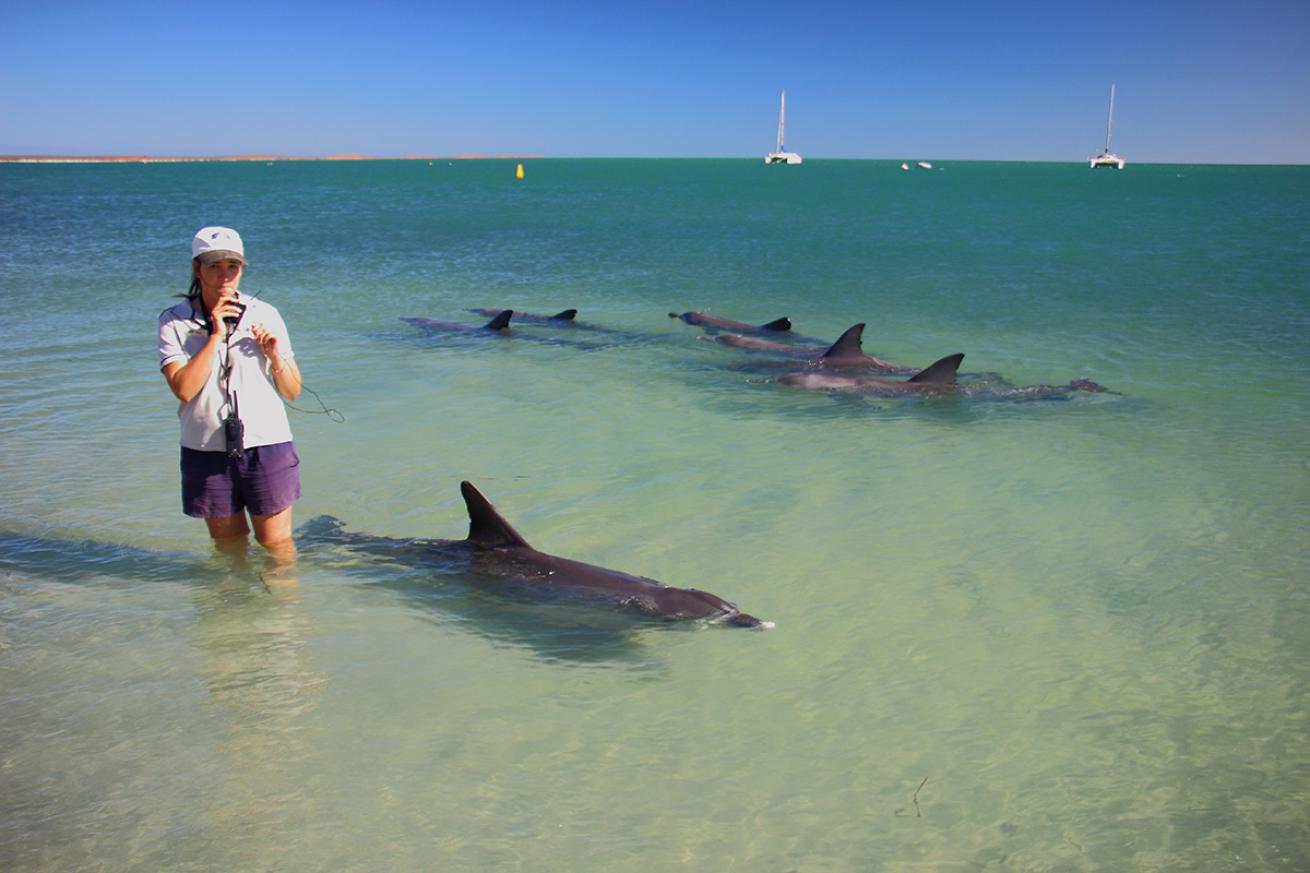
x=285, y=373
x=186, y=379
x=286, y=376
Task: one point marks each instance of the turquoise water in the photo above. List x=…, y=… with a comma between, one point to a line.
x=1084, y=622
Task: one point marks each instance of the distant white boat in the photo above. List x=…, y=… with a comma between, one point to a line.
x=781, y=155
x=924, y=165
x=904, y=166
x=1108, y=158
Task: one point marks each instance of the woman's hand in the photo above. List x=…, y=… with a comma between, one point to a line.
x=225, y=308
x=285, y=373
x=267, y=343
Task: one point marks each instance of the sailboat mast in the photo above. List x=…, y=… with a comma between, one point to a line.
x=1109, y=121
x=782, y=118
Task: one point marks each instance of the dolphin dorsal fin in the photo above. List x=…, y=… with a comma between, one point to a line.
x=501, y=321
x=783, y=323
x=849, y=344
x=566, y=315
x=942, y=371
x=487, y=529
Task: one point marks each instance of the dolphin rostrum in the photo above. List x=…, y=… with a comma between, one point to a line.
x=499, y=324
x=704, y=319
x=498, y=553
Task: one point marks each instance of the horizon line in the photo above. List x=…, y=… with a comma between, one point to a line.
x=268, y=158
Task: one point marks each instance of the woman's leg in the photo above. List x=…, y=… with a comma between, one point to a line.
x=274, y=533
x=228, y=527
x=230, y=536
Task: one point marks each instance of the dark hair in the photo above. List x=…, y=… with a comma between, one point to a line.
x=193, y=292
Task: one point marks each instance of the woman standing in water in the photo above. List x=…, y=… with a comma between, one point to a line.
x=228, y=360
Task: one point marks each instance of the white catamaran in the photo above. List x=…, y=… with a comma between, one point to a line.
x=782, y=156
x=1108, y=158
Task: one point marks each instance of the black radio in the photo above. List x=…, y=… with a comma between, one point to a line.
x=234, y=434
x=231, y=320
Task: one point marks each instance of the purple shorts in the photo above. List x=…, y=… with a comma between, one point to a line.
x=265, y=481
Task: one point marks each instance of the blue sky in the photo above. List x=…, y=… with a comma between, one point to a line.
x=1197, y=82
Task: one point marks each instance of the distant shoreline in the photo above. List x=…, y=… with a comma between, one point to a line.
x=183, y=159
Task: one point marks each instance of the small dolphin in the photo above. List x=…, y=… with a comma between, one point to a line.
x=565, y=315
x=497, y=552
x=704, y=319
x=848, y=352
x=499, y=324
x=939, y=378
x=757, y=344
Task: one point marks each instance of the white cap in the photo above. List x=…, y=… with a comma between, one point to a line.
x=216, y=244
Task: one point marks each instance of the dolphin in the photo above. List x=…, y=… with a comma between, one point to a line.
x=499, y=324
x=531, y=317
x=937, y=379
x=754, y=343
x=704, y=319
x=500, y=557
x=846, y=353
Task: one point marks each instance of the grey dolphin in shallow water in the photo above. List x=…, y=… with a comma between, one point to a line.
x=758, y=344
x=499, y=324
x=565, y=315
x=704, y=319
x=937, y=379
x=846, y=353
x=498, y=553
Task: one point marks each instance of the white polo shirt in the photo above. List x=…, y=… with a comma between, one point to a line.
x=182, y=335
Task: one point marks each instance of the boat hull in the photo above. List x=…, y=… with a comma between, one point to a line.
x=782, y=158
x=1106, y=161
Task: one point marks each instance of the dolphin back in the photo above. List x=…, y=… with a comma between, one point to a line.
x=487, y=528
x=940, y=372
x=783, y=323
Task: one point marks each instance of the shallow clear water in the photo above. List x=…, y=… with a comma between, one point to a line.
x=1082, y=621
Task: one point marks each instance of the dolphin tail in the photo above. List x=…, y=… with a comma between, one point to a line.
x=1085, y=384
x=783, y=323
x=566, y=315
x=849, y=344
x=322, y=525
x=501, y=321
x=321, y=529
x=487, y=529
x=741, y=619
x=941, y=372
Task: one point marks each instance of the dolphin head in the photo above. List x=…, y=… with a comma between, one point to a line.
x=691, y=603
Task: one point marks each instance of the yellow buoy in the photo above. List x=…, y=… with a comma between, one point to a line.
x=518, y=174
